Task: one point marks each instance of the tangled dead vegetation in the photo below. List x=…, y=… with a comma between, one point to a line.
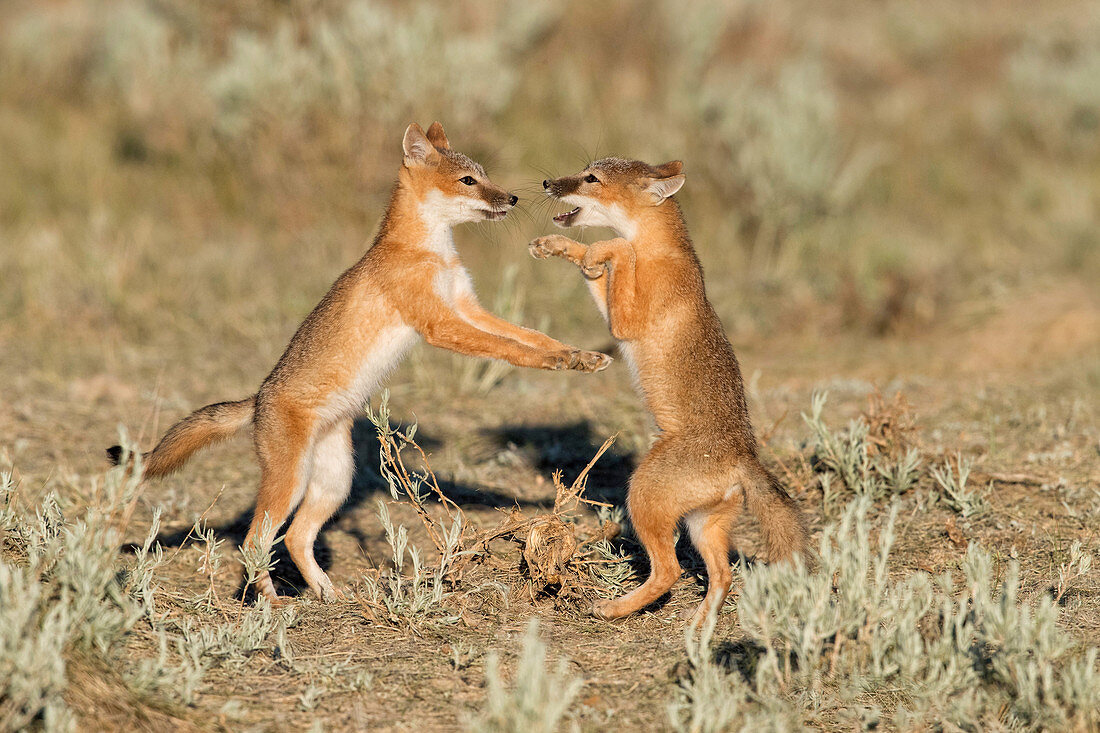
x=555, y=548
x=891, y=424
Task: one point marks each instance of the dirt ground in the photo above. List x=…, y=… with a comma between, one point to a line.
x=1014, y=389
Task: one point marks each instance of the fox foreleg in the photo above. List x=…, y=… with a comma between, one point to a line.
x=616, y=260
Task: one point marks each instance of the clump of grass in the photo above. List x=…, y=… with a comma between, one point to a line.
x=210, y=559
x=233, y=642
x=610, y=568
x=411, y=485
x=849, y=638
x=310, y=697
x=537, y=701
x=1078, y=566
x=462, y=655
x=852, y=457
x=408, y=592
x=711, y=699
x=33, y=637
x=64, y=591
x=201, y=646
x=952, y=483
x=257, y=559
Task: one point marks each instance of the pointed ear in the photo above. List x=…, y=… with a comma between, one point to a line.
x=437, y=137
x=661, y=188
x=416, y=146
x=671, y=168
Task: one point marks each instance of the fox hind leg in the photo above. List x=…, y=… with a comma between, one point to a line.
x=662, y=491
x=328, y=488
x=285, y=451
x=655, y=512
x=709, y=530
x=658, y=535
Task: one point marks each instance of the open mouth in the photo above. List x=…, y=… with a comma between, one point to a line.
x=494, y=215
x=566, y=218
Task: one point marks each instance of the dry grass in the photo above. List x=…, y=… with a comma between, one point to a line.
x=895, y=204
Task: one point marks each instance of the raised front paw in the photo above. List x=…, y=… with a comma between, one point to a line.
x=589, y=361
x=578, y=361
x=552, y=245
x=592, y=267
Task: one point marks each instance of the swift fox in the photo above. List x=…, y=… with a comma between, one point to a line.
x=409, y=284
x=648, y=284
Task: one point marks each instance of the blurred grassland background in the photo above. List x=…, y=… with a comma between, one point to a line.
x=199, y=171
x=887, y=195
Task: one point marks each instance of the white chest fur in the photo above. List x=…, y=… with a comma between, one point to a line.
x=384, y=354
x=452, y=283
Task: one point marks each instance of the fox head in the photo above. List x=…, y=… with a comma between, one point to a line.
x=451, y=188
x=615, y=193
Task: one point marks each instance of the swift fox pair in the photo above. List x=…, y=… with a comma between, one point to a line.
x=648, y=284
x=409, y=285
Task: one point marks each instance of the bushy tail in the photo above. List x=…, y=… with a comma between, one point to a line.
x=202, y=427
x=781, y=524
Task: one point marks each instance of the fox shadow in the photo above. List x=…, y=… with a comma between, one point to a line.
x=569, y=447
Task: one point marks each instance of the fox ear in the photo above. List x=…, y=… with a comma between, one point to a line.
x=661, y=188
x=671, y=168
x=437, y=137
x=418, y=149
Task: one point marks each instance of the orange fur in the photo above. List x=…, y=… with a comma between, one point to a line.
x=704, y=467
x=410, y=284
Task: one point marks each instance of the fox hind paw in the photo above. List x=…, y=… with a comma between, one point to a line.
x=603, y=610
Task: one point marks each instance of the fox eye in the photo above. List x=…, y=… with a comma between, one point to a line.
x=468, y=180
x=591, y=179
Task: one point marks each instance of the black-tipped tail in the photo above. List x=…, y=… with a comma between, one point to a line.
x=202, y=427
x=114, y=454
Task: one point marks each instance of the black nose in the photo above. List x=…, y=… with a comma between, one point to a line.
x=545, y=185
x=513, y=199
